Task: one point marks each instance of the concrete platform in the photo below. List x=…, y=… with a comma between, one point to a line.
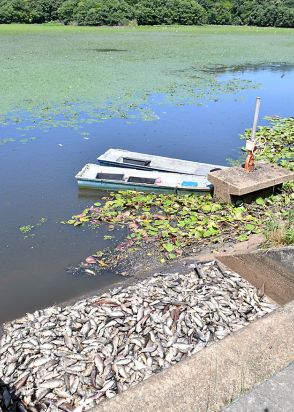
x=234, y=181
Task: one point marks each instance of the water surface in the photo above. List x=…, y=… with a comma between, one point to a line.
x=37, y=179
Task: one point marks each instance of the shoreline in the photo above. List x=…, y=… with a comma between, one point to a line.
x=205, y=253
x=81, y=354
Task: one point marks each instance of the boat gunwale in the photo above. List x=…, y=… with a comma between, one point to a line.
x=122, y=183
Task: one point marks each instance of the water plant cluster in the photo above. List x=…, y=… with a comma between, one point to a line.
x=177, y=223
x=276, y=141
x=27, y=230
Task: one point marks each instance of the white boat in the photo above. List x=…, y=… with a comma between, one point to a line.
x=94, y=176
x=142, y=161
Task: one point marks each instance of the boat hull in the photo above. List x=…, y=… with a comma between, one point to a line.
x=94, y=185
x=99, y=177
x=141, y=161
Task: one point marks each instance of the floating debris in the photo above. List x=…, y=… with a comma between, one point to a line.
x=77, y=356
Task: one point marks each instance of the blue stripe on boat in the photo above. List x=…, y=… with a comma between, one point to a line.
x=189, y=184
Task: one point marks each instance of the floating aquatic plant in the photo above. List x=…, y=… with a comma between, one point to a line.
x=27, y=229
x=275, y=141
x=67, y=83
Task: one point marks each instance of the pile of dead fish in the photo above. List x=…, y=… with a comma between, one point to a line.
x=66, y=358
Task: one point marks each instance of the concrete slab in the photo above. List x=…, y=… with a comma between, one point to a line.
x=274, y=395
x=214, y=377
x=283, y=256
x=234, y=181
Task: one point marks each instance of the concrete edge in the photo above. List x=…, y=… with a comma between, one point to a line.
x=274, y=394
x=214, y=377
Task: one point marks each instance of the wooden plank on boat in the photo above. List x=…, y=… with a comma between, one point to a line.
x=116, y=178
x=142, y=161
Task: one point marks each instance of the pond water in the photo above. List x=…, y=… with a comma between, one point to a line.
x=38, y=186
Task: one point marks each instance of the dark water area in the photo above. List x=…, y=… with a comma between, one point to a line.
x=37, y=181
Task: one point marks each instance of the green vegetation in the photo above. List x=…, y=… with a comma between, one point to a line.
x=67, y=76
x=276, y=142
x=149, y=12
x=177, y=223
x=279, y=231
x=27, y=229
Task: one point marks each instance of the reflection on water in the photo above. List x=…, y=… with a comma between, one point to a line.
x=37, y=181
x=258, y=67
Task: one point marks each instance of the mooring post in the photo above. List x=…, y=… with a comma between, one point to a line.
x=256, y=114
x=250, y=144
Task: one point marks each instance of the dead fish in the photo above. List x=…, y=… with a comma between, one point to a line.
x=86, y=328
x=74, y=385
x=167, y=331
x=40, y=394
x=99, y=363
x=66, y=407
x=90, y=272
x=125, y=361
x=61, y=393
x=68, y=341
x=52, y=384
x=21, y=381
x=100, y=346
x=38, y=362
x=149, y=349
x=106, y=302
x=108, y=385
x=10, y=369
x=172, y=340
x=116, y=314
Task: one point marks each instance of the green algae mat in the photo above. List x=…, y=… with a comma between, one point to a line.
x=51, y=73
